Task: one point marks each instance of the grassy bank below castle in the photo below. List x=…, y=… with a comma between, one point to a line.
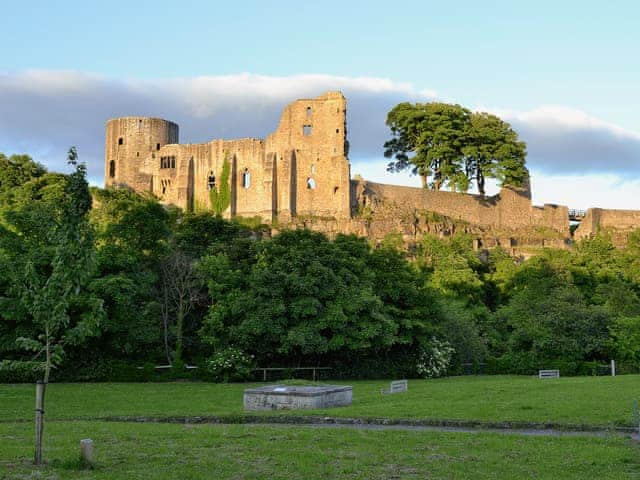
x=601, y=401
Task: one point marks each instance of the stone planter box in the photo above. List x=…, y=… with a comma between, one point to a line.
x=291, y=397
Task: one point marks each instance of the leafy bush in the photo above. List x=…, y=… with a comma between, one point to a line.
x=14, y=371
x=230, y=364
x=434, y=359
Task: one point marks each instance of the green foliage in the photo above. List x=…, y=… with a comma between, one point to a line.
x=220, y=194
x=434, y=359
x=47, y=240
x=229, y=365
x=306, y=298
x=454, y=146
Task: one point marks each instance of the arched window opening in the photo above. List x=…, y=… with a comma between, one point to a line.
x=120, y=141
x=112, y=169
x=246, y=178
x=335, y=190
x=211, y=181
x=157, y=146
x=311, y=184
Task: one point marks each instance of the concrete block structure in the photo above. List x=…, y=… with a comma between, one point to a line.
x=289, y=397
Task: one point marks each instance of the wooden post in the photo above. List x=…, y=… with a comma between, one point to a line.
x=314, y=374
x=613, y=368
x=264, y=374
x=86, y=453
x=40, y=390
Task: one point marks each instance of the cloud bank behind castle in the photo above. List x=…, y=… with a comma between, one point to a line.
x=44, y=112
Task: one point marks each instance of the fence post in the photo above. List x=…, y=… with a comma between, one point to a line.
x=264, y=374
x=613, y=368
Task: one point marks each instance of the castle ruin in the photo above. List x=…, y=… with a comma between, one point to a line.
x=299, y=176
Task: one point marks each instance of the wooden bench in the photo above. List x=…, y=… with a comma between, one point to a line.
x=397, y=386
x=548, y=373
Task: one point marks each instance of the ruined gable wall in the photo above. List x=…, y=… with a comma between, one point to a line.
x=310, y=148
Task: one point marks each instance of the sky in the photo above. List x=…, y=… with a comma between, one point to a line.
x=564, y=74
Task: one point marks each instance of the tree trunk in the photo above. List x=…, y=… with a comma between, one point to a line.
x=423, y=178
x=179, y=325
x=481, y=184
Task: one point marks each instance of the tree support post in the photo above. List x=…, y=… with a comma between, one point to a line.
x=40, y=390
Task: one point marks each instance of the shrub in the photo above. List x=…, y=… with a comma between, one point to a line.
x=434, y=359
x=230, y=364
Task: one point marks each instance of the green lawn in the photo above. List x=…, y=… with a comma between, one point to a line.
x=165, y=451
x=576, y=400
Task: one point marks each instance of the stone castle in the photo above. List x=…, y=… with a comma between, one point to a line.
x=299, y=176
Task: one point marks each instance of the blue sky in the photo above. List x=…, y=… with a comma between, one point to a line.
x=565, y=74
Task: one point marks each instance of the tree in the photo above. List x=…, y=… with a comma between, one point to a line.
x=453, y=146
x=50, y=244
x=492, y=150
x=435, y=134
x=131, y=237
x=307, y=298
x=181, y=290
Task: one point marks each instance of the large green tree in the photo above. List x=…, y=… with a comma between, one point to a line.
x=451, y=146
x=428, y=138
x=492, y=150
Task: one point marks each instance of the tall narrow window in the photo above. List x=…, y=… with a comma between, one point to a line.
x=173, y=162
x=309, y=111
x=313, y=168
x=157, y=146
x=246, y=178
x=306, y=130
x=112, y=169
x=311, y=184
x=120, y=141
x=211, y=181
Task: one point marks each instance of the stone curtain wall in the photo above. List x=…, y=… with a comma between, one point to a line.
x=509, y=210
x=617, y=222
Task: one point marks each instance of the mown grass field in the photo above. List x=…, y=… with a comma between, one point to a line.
x=161, y=451
x=603, y=401
x=150, y=451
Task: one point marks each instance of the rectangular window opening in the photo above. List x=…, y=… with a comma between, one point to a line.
x=306, y=130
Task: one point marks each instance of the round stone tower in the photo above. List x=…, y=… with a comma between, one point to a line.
x=130, y=146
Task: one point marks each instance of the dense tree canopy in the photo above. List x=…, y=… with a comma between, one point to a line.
x=130, y=283
x=453, y=146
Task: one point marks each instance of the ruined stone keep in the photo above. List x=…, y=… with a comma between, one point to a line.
x=299, y=177
x=301, y=168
